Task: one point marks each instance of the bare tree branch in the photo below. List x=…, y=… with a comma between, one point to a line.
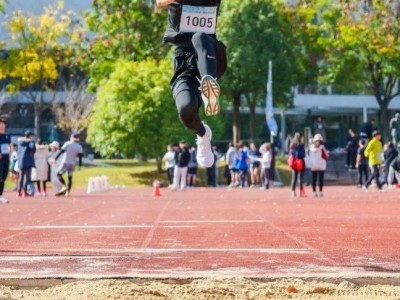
x=74, y=114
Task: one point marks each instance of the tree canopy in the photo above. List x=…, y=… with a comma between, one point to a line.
x=358, y=42
x=124, y=29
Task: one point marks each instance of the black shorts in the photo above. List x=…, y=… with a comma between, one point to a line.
x=185, y=63
x=192, y=171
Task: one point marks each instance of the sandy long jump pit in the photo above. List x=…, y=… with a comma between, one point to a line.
x=202, y=244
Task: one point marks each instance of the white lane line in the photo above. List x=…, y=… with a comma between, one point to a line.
x=166, y=251
x=292, y=237
x=57, y=227
x=211, y=221
x=156, y=224
x=87, y=226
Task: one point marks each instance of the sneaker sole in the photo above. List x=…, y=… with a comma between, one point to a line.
x=210, y=91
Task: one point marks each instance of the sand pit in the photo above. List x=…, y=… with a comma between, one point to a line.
x=207, y=289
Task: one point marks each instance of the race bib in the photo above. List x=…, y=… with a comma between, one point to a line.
x=380, y=156
x=4, y=149
x=198, y=19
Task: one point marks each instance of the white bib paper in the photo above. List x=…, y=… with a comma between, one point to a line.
x=380, y=156
x=4, y=149
x=198, y=19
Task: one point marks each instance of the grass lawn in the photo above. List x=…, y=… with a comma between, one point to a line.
x=139, y=174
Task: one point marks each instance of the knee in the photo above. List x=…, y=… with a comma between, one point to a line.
x=198, y=39
x=187, y=114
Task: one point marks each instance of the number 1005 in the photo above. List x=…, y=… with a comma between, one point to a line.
x=202, y=22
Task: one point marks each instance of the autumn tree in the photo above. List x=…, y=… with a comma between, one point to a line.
x=41, y=53
x=359, y=42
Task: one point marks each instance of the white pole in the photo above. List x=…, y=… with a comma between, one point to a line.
x=365, y=114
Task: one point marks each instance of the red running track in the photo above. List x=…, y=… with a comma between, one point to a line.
x=201, y=232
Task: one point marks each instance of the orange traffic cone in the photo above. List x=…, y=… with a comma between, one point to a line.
x=303, y=192
x=156, y=188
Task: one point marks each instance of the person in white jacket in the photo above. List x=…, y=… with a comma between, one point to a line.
x=40, y=174
x=318, y=157
x=54, y=166
x=266, y=161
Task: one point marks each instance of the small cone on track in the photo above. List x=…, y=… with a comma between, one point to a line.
x=156, y=188
x=303, y=192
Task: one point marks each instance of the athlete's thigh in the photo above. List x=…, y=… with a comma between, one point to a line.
x=186, y=93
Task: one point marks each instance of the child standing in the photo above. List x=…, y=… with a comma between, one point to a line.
x=298, y=153
x=13, y=169
x=374, y=152
x=318, y=158
x=242, y=164
x=266, y=160
x=362, y=163
x=192, y=167
x=169, y=159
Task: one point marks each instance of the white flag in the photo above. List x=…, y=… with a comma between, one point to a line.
x=271, y=122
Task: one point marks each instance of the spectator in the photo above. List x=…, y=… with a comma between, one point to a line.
x=367, y=129
x=374, y=152
x=254, y=156
x=318, y=158
x=298, y=152
x=212, y=171
x=352, y=147
x=182, y=157
x=390, y=154
x=394, y=172
x=26, y=161
x=320, y=127
x=70, y=152
x=192, y=167
x=54, y=166
x=242, y=164
x=13, y=168
x=230, y=159
x=395, y=129
x=169, y=159
x=40, y=173
x=288, y=142
x=362, y=163
x=266, y=160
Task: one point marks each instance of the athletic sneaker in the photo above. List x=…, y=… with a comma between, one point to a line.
x=210, y=92
x=63, y=191
x=67, y=193
x=3, y=200
x=321, y=194
x=365, y=189
x=315, y=194
x=205, y=156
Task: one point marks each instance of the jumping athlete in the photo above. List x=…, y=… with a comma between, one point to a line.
x=199, y=60
x=71, y=151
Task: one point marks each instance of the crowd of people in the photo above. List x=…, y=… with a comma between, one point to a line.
x=245, y=166
x=32, y=164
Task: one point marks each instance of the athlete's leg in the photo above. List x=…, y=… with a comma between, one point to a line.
x=205, y=47
x=187, y=99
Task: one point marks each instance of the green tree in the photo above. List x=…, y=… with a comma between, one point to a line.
x=134, y=113
x=124, y=29
x=359, y=42
x=256, y=31
x=41, y=50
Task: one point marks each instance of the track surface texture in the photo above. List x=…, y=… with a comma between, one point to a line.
x=201, y=233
